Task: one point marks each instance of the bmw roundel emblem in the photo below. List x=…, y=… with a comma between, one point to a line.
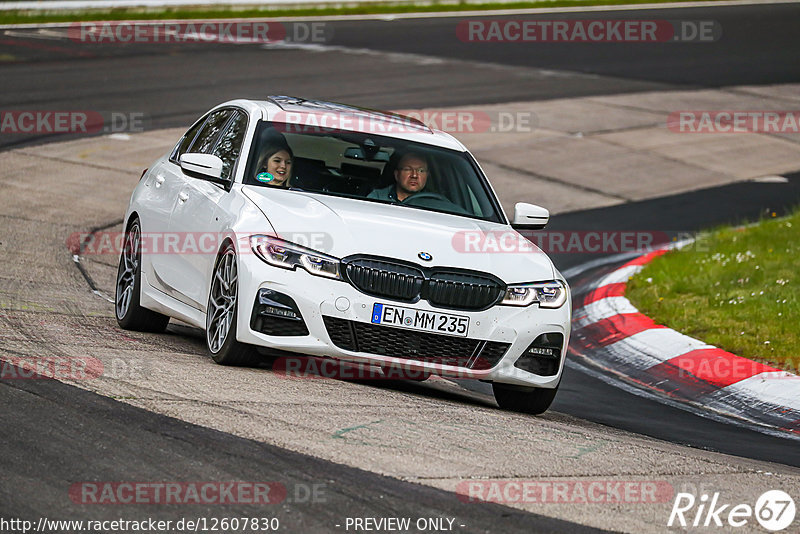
x=425, y=256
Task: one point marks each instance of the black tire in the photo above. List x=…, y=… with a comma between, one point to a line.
x=130, y=315
x=222, y=313
x=522, y=399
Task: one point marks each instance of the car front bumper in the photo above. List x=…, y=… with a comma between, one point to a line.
x=318, y=298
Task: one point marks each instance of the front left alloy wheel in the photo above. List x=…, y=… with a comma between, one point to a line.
x=221, y=314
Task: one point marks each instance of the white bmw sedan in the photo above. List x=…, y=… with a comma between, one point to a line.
x=290, y=226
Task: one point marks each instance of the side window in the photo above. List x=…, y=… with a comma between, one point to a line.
x=187, y=139
x=230, y=143
x=211, y=129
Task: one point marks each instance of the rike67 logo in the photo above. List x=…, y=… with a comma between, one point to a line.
x=774, y=510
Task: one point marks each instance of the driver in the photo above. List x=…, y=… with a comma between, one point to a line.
x=410, y=178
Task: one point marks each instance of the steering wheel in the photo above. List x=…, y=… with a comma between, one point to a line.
x=427, y=195
x=435, y=201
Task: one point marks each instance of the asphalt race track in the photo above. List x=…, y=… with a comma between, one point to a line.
x=89, y=427
x=415, y=62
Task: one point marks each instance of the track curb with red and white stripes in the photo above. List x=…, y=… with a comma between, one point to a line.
x=610, y=333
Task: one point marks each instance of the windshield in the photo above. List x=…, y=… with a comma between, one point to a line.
x=370, y=167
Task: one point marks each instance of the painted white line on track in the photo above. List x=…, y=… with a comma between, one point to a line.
x=40, y=33
x=771, y=179
x=77, y=260
x=577, y=270
x=425, y=60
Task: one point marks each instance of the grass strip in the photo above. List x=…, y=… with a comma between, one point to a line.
x=735, y=288
x=181, y=13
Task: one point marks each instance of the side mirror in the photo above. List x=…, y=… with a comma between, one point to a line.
x=203, y=166
x=529, y=217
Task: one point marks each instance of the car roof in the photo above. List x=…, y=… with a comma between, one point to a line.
x=311, y=113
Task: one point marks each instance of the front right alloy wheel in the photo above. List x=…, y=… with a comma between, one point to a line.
x=534, y=401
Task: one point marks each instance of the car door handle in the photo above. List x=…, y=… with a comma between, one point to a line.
x=159, y=180
x=183, y=197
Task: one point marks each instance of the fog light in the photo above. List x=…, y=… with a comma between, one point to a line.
x=277, y=314
x=543, y=351
x=543, y=356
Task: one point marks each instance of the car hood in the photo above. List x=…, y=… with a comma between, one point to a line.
x=342, y=227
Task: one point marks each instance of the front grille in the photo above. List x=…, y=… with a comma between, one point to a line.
x=462, y=291
x=446, y=288
x=384, y=279
x=340, y=333
x=491, y=354
x=278, y=326
x=412, y=345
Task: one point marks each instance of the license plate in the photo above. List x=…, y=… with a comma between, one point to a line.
x=427, y=321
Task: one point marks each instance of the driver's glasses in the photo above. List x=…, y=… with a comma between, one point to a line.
x=409, y=170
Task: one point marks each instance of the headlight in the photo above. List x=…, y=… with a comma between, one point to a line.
x=552, y=294
x=288, y=255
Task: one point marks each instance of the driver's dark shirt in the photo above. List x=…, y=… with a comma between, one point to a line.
x=388, y=193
